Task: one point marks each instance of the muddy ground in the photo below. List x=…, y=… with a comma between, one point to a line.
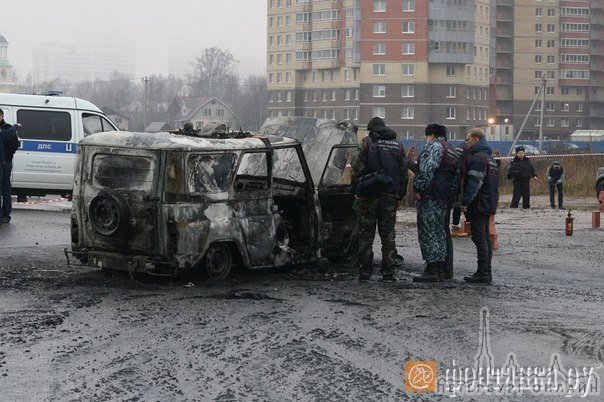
x=306, y=333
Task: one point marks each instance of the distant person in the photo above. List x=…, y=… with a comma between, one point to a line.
x=555, y=178
x=521, y=172
x=376, y=205
x=8, y=145
x=480, y=199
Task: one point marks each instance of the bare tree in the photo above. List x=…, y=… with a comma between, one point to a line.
x=214, y=75
x=250, y=104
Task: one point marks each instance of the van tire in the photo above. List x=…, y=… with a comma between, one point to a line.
x=108, y=214
x=218, y=261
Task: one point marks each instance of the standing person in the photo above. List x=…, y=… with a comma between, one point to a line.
x=379, y=150
x=480, y=199
x=521, y=171
x=5, y=134
x=435, y=185
x=555, y=178
x=10, y=145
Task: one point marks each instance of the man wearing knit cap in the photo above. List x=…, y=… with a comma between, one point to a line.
x=436, y=186
x=521, y=172
x=378, y=151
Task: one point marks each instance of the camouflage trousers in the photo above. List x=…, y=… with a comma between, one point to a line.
x=431, y=229
x=380, y=210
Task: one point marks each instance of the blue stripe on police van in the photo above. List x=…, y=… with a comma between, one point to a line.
x=47, y=146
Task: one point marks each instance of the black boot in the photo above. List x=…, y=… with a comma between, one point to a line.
x=482, y=275
x=443, y=275
x=430, y=274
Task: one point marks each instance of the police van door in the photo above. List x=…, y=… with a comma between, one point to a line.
x=46, y=158
x=338, y=218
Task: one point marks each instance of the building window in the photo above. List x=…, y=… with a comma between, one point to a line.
x=408, y=27
x=346, y=75
x=538, y=12
x=408, y=6
x=450, y=113
x=379, y=111
x=564, y=107
x=207, y=112
x=408, y=48
x=333, y=95
x=379, y=69
x=551, y=75
x=551, y=43
x=407, y=112
x=379, y=6
x=550, y=91
x=538, y=28
x=537, y=42
x=451, y=70
x=579, y=107
x=551, y=59
x=379, y=49
x=551, y=12
x=356, y=94
x=538, y=59
x=379, y=91
x=408, y=69
x=407, y=91
x=564, y=90
x=379, y=27
x=551, y=28
x=579, y=122
x=347, y=95
x=579, y=91
x=550, y=122
x=550, y=107
x=452, y=93
x=538, y=74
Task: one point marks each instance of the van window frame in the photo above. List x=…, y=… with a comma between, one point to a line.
x=44, y=125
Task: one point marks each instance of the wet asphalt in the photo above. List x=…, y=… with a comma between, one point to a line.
x=302, y=333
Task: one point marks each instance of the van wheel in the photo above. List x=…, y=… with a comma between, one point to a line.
x=218, y=261
x=108, y=213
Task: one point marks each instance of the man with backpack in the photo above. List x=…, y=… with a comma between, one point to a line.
x=480, y=199
x=436, y=189
x=379, y=178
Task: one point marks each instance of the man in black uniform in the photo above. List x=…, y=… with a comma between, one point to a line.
x=10, y=144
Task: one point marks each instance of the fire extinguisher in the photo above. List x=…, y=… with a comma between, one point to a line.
x=569, y=224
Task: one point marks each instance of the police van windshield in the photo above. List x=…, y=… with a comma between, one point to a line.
x=94, y=123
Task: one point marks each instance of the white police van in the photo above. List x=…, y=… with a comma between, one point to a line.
x=52, y=127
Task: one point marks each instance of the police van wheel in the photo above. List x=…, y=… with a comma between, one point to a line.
x=218, y=261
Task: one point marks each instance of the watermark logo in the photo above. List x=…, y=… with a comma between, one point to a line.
x=485, y=378
x=420, y=376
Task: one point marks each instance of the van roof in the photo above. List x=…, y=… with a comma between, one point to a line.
x=47, y=101
x=180, y=142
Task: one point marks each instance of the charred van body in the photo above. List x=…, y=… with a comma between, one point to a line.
x=162, y=202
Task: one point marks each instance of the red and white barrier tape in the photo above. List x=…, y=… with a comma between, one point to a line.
x=46, y=201
x=553, y=155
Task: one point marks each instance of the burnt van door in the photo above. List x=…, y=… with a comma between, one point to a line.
x=338, y=218
x=252, y=201
x=121, y=200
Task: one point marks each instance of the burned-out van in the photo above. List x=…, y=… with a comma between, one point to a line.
x=161, y=202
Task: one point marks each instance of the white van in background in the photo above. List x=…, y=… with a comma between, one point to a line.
x=52, y=127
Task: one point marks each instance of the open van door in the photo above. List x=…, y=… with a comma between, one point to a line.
x=339, y=219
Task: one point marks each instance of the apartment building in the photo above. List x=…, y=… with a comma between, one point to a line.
x=409, y=61
x=560, y=42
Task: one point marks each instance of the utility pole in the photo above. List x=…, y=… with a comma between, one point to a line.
x=543, y=82
x=539, y=93
x=145, y=80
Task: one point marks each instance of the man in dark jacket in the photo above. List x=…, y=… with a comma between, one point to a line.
x=521, y=171
x=555, y=178
x=7, y=133
x=436, y=185
x=379, y=150
x=480, y=199
x=10, y=146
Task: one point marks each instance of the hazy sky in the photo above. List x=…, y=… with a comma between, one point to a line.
x=159, y=30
